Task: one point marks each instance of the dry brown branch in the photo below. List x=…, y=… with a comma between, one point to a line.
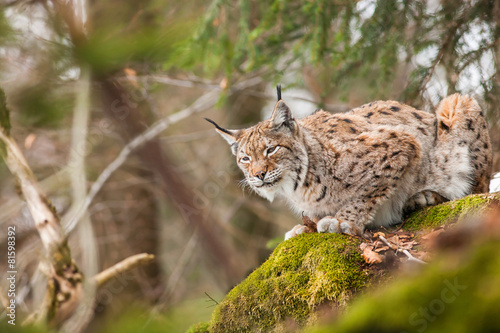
x=123, y=266
x=64, y=280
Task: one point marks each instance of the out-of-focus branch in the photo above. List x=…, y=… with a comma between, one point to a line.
x=64, y=280
x=88, y=244
x=123, y=266
x=201, y=104
x=157, y=159
x=186, y=83
x=204, y=102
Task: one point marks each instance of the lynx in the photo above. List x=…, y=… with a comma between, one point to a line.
x=364, y=168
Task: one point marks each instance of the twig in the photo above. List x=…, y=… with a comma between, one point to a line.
x=385, y=241
x=211, y=300
x=203, y=103
x=178, y=270
x=186, y=83
x=412, y=258
x=178, y=82
x=406, y=252
x=123, y=266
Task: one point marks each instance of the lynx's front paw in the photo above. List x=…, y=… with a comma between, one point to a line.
x=297, y=230
x=332, y=225
x=329, y=224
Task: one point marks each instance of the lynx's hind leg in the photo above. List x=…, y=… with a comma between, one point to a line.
x=461, y=123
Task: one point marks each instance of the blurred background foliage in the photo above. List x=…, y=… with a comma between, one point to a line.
x=177, y=196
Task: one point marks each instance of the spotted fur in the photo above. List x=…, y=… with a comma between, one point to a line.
x=364, y=167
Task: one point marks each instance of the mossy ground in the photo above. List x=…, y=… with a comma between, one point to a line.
x=448, y=212
x=314, y=269
x=301, y=274
x=457, y=292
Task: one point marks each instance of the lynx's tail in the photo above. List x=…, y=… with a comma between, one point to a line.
x=461, y=123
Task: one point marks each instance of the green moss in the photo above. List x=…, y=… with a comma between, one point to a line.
x=199, y=328
x=314, y=269
x=458, y=292
x=448, y=212
x=301, y=274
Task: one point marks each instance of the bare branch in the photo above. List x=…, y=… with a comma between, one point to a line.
x=83, y=314
x=61, y=301
x=123, y=266
x=201, y=104
x=412, y=258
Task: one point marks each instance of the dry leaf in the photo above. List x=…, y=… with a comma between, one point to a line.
x=371, y=257
x=407, y=245
x=310, y=225
x=363, y=246
x=380, y=249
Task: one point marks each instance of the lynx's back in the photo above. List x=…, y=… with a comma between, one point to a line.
x=348, y=171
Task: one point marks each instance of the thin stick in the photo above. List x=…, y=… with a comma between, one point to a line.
x=412, y=258
x=203, y=103
x=211, y=299
x=406, y=252
x=123, y=266
x=385, y=241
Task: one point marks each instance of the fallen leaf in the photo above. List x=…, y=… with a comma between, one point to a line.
x=383, y=248
x=363, y=245
x=371, y=257
x=310, y=225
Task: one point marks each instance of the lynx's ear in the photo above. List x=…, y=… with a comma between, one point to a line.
x=231, y=136
x=282, y=115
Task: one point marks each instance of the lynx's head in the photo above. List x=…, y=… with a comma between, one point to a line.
x=267, y=153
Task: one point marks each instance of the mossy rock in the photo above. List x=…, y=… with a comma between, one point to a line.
x=449, y=212
x=301, y=274
x=311, y=270
x=199, y=328
x=459, y=291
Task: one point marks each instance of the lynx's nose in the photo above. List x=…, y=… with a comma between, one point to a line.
x=260, y=174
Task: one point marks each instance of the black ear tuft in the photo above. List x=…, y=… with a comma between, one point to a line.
x=218, y=127
x=231, y=136
x=278, y=90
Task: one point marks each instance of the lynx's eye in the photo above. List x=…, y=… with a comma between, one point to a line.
x=271, y=150
x=245, y=159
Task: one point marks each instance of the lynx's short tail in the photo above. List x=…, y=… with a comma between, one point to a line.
x=461, y=123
